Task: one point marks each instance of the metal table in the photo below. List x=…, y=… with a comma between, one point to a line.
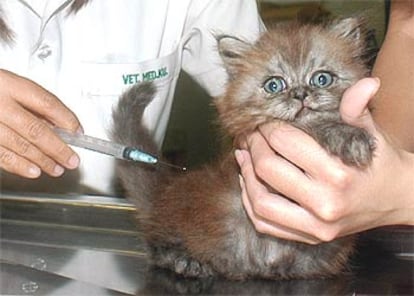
x=88, y=245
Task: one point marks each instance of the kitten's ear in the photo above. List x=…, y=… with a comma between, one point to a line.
x=232, y=50
x=351, y=28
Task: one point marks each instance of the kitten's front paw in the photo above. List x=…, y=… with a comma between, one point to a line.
x=353, y=145
x=191, y=268
x=356, y=148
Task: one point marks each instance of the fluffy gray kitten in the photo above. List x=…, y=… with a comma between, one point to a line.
x=194, y=222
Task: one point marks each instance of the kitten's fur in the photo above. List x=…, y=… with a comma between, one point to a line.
x=194, y=222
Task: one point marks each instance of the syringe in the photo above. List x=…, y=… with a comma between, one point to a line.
x=110, y=148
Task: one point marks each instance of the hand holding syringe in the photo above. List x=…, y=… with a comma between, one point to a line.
x=110, y=148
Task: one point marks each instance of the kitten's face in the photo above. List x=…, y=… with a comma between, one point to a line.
x=296, y=74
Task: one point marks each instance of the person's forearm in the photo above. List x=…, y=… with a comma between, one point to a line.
x=394, y=104
x=403, y=213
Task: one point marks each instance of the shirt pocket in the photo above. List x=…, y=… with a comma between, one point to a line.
x=108, y=79
x=103, y=83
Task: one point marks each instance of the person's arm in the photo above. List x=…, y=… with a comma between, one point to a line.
x=394, y=104
x=28, y=145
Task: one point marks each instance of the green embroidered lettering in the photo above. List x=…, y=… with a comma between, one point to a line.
x=162, y=72
x=149, y=76
x=130, y=78
x=136, y=78
x=125, y=78
x=152, y=75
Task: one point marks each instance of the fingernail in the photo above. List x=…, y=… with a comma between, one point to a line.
x=34, y=171
x=80, y=130
x=378, y=81
x=239, y=156
x=58, y=170
x=241, y=181
x=369, y=85
x=73, y=161
x=376, y=85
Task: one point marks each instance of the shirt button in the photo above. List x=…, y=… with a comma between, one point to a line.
x=44, y=52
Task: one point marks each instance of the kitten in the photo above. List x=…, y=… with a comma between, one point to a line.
x=194, y=222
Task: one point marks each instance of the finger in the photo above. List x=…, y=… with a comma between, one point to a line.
x=11, y=162
x=267, y=227
x=39, y=134
x=241, y=142
x=24, y=149
x=354, y=104
x=39, y=100
x=276, y=171
x=325, y=177
x=302, y=150
x=266, y=206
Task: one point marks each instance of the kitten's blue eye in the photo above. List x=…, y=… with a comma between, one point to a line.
x=274, y=85
x=321, y=79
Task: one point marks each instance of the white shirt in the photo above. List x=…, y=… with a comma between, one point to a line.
x=90, y=57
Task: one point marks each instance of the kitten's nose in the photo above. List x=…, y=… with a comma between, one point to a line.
x=299, y=94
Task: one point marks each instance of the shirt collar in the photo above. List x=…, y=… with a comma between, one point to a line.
x=48, y=8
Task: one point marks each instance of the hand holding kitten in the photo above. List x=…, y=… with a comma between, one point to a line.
x=326, y=198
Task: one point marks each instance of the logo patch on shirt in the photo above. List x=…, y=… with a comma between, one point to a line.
x=151, y=75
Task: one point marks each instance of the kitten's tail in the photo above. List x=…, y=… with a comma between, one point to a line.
x=138, y=179
x=127, y=117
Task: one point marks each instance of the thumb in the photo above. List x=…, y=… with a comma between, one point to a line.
x=354, y=104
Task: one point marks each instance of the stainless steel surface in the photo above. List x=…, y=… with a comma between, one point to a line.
x=88, y=245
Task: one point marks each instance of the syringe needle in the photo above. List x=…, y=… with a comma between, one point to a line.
x=172, y=166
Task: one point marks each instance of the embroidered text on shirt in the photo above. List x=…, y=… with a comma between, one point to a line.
x=146, y=76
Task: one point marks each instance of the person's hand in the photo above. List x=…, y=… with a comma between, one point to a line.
x=28, y=145
x=319, y=198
